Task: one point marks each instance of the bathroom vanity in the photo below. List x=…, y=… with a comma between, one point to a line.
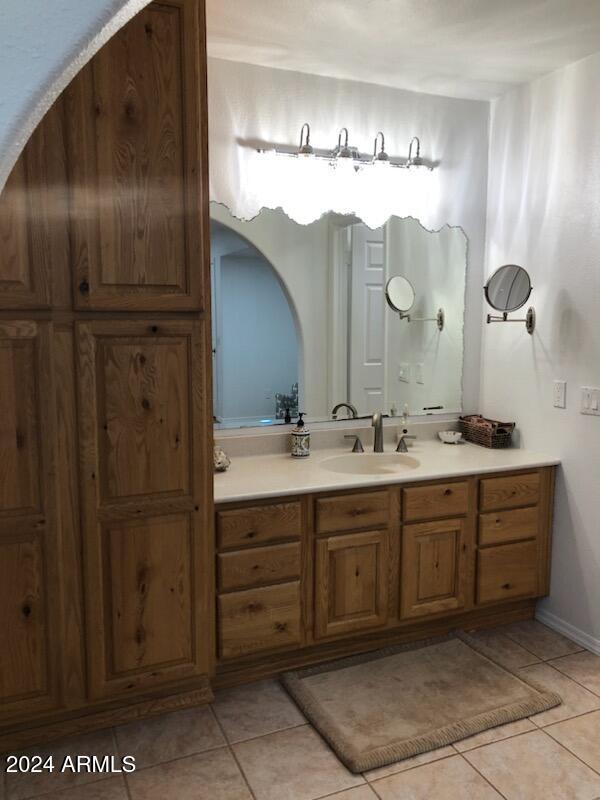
x=359, y=562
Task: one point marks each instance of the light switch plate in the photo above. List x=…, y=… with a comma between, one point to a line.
x=404, y=372
x=560, y=394
x=590, y=401
x=419, y=373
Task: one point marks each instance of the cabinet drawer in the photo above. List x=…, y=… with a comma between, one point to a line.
x=351, y=511
x=258, y=565
x=500, y=527
x=509, y=492
x=258, y=524
x=431, y=502
x=506, y=572
x=259, y=619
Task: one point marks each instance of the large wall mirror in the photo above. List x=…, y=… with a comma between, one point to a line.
x=302, y=320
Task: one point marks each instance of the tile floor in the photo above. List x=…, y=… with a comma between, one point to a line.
x=254, y=744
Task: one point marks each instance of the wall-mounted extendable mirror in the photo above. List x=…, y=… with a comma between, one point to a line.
x=507, y=290
x=400, y=296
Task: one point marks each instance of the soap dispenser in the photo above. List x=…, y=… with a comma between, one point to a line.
x=300, y=439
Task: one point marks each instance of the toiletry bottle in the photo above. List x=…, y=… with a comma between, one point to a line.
x=300, y=439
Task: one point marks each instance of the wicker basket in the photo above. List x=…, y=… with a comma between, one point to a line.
x=486, y=432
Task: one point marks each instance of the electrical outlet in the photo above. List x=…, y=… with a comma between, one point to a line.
x=590, y=401
x=560, y=394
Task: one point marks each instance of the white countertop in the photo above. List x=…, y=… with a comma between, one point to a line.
x=251, y=477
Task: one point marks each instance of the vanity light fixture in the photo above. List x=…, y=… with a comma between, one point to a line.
x=345, y=155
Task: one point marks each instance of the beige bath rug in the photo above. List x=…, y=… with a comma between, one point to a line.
x=395, y=703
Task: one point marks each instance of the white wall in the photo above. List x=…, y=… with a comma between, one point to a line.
x=249, y=103
x=43, y=45
x=544, y=213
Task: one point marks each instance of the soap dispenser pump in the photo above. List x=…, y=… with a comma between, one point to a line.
x=300, y=438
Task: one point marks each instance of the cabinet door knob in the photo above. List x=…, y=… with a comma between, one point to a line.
x=447, y=492
x=505, y=586
x=84, y=287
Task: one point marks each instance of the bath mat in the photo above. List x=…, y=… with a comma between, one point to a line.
x=391, y=704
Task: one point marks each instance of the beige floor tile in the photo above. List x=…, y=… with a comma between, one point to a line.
x=168, y=736
x=583, y=667
x=111, y=789
x=495, y=735
x=575, y=699
x=209, y=776
x=409, y=763
x=503, y=649
x=295, y=764
x=535, y=767
x=98, y=743
x=359, y=793
x=449, y=779
x=539, y=639
x=581, y=736
x=254, y=710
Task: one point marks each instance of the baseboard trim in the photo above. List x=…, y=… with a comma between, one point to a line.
x=560, y=626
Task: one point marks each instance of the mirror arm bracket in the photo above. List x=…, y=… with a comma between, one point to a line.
x=440, y=318
x=529, y=319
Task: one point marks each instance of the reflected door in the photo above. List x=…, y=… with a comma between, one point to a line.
x=367, y=372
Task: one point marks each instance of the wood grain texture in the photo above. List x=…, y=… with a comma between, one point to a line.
x=29, y=581
x=436, y=500
x=501, y=527
x=510, y=491
x=507, y=572
x=348, y=512
x=258, y=566
x=137, y=152
x=34, y=244
x=434, y=574
x=258, y=524
x=149, y=620
x=258, y=620
x=351, y=583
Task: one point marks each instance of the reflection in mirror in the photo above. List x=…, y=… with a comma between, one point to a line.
x=301, y=322
x=509, y=288
x=256, y=348
x=400, y=294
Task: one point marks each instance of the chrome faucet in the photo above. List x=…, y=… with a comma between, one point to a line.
x=350, y=408
x=377, y=423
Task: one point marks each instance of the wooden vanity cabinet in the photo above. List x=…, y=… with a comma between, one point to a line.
x=374, y=567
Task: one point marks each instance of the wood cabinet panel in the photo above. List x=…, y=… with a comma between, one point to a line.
x=136, y=148
x=500, y=527
x=258, y=524
x=29, y=600
x=434, y=575
x=268, y=618
x=509, y=491
x=351, y=588
x=145, y=444
x=258, y=565
x=507, y=572
x=352, y=511
x=437, y=500
x=34, y=247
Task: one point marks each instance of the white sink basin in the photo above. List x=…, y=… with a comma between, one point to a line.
x=369, y=463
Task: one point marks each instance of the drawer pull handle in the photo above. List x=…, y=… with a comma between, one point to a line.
x=254, y=607
x=250, y=535
x=26, y=610
x=356, y=512
x=447, y=492
x=505, y=586
x=281, y=627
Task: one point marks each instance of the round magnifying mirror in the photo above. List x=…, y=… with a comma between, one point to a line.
x=509, y=288
x=400, y=294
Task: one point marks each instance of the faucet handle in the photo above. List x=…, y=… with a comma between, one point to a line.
x=402, y=443
x=358, y=448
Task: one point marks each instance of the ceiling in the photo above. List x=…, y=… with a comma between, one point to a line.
x=461, y=48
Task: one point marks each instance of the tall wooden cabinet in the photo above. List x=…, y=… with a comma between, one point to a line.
x=106, y=522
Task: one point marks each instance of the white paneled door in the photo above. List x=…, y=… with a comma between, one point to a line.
x=367, y=339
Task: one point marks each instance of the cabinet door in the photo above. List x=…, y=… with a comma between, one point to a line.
x=146, y=449
x=138, y=155
x=34, y=219
x=351, y=583
x=28, y=585
x=434, y=568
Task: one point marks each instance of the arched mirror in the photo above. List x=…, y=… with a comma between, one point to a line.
x=507, y=290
